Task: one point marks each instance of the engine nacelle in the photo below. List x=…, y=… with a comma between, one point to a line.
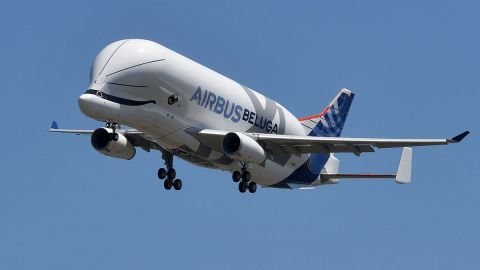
x=241, y=147
x=113, y=145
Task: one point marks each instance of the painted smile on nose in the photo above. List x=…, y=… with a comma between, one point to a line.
x=119, y=100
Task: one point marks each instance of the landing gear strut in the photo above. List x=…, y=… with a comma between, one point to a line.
x=113, y=126
x=245, y=176
x=169, y=173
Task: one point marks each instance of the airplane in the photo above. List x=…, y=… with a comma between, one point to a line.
x=181, y=108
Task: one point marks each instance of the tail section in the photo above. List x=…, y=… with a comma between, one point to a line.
x=330, y=122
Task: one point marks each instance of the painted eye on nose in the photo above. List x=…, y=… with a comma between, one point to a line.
x=172, y=99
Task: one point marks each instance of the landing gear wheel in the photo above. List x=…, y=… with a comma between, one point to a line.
x=162, y=173
x=242, y=187
x=236, y=175
x=252, y=187
x=246, y=176
x=177, y=184
x=171, y=173
x=168, y=184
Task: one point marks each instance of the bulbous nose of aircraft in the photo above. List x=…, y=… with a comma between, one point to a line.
x=129, y=61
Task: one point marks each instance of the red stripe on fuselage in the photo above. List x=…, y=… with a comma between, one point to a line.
x=316, y=115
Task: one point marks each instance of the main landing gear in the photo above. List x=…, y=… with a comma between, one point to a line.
x=244, y=177
x=169, y=174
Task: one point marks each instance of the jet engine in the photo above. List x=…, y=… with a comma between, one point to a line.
x=112, y=144
x=242, y=147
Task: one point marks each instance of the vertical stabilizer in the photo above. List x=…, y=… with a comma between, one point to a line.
x=330, y=122
x=404, y=172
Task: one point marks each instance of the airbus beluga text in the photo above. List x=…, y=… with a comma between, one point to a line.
x=181, y=108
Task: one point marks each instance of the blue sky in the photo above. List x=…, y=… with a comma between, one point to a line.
x=414, y=68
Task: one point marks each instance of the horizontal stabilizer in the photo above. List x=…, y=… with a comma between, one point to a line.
x=403, y=176
x=358, y=176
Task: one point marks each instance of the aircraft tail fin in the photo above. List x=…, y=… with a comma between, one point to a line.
x=404, y=172
x=330, y=122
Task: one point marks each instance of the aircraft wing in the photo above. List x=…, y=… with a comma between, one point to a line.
x=308, y=144
x=137, y=138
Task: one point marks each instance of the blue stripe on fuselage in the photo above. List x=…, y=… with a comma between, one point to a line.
x=308, y=172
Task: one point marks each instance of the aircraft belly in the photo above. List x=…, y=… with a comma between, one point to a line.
x=267, y=174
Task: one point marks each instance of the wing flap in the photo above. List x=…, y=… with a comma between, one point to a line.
x=325, y=148
x=331, y=141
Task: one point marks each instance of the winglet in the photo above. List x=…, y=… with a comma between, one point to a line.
x=404, y=172
x=54, y=125
x=459, y=137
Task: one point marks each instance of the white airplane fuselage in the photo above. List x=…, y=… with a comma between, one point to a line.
x=149, y=87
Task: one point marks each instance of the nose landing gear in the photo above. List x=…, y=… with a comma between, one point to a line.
x=114, y=126
x=169, y=174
